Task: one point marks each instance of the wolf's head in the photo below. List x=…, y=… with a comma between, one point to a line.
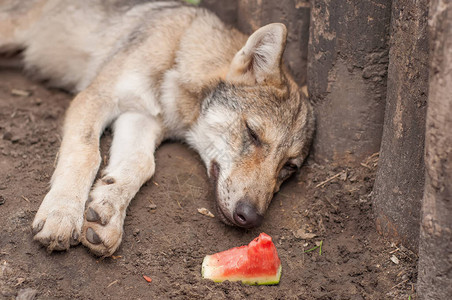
x=254, y=129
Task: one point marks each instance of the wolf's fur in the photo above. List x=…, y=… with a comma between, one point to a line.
x=156, y=71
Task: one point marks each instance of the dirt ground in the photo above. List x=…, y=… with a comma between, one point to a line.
x=165, y=236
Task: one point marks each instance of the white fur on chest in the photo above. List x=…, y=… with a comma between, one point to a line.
x=134, y=91
x=169, y=98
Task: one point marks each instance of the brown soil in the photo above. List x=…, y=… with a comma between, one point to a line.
x=169, y=241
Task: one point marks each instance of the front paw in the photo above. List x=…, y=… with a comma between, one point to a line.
x=58, y=222
x=103, y=224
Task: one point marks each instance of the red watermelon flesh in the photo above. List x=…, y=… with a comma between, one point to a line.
x=258, y=263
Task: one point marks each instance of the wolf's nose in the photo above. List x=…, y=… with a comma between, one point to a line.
x=245, y=215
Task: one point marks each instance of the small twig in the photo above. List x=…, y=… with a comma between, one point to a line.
x=374, y=155
x=329, y=179
x=331, y=203
x=22, y=93
x=366, y=166
x=25, y=198
x=371, y=161
x=116, y=281
x=284, y=195
x=400, y=283
x=393, y=251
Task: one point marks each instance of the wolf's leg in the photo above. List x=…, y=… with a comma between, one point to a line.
x=59, y=220
x=131, y=164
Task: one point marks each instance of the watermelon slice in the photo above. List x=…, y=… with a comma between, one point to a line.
x=255, y=264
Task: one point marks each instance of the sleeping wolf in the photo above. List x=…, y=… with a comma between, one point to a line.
x=155, y=71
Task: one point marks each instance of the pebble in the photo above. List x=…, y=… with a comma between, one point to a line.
x=26, y=294
x=7, y=136
x=394, y=259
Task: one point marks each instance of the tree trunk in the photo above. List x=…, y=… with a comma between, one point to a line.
x=225, y=10
x=435, y=251
x=253, y=14
x=347, y=64
x=399, y=184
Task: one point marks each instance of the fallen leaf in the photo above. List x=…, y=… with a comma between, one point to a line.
x=147, y=278
x=302, y=234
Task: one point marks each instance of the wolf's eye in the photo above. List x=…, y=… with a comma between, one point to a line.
x=290, y=167
x=253, y=136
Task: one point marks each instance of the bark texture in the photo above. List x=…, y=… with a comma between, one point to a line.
x=399, y=184
x=253, y=14
x=435, y=251
x=347, y=65
x=225, y=10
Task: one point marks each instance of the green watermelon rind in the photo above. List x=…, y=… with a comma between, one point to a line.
x=261, y=280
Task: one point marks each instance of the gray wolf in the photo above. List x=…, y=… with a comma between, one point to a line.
x=154, y=71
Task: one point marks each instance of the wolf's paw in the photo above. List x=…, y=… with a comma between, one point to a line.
x=104, y=218
x=58, y=222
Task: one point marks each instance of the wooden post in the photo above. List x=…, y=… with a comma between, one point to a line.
x=253, y=14
x=225, y=10
x=347, y=65
x=435, y=246
x=399, y=185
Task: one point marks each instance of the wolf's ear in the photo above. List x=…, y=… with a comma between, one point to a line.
x=259, y=60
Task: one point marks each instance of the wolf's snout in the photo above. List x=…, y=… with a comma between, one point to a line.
x=245, y=215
